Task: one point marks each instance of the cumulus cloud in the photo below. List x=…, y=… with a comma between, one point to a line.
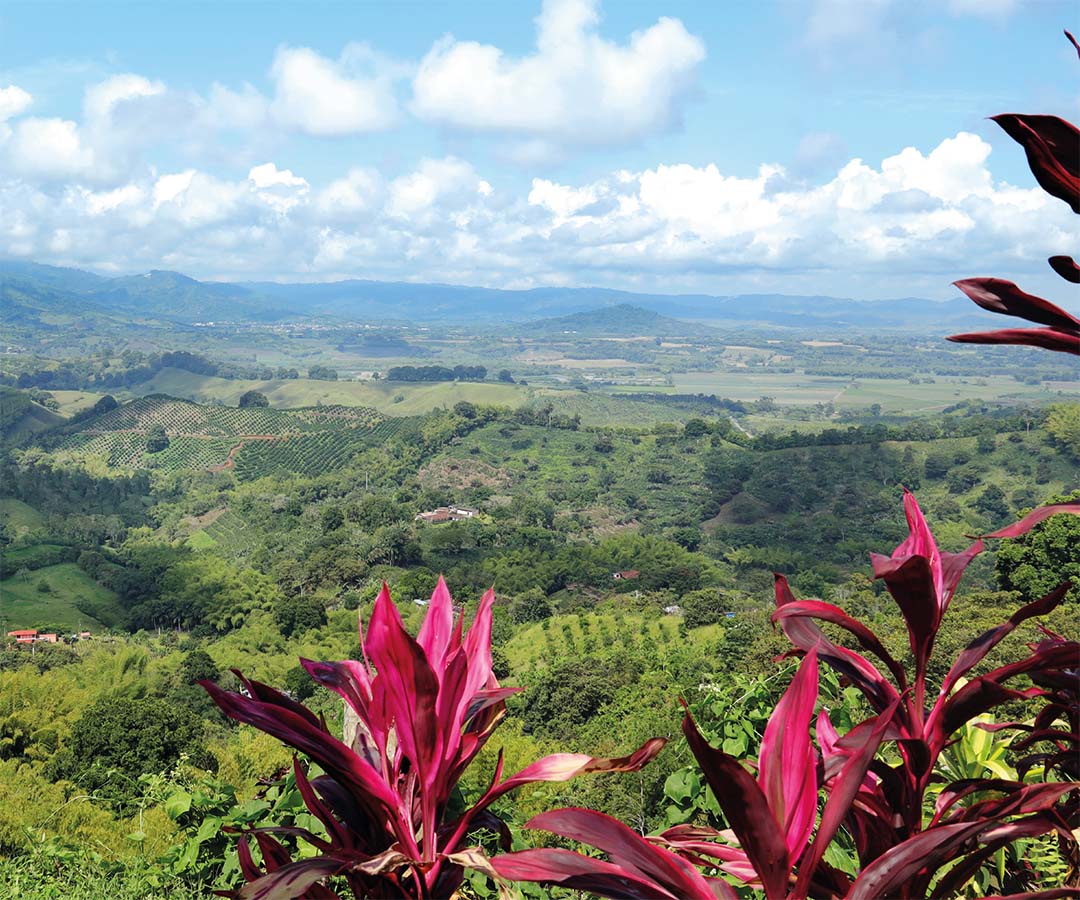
x=577, y=88
x=49, y=148
x=905, y=225
x=328, y=98
x=13, y=101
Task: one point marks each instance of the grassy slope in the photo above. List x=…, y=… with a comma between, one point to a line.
x=18, y=517
x=72, y=402
x=299, y=392
x=22, y=605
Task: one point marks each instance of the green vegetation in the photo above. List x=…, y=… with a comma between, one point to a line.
x=71, y=600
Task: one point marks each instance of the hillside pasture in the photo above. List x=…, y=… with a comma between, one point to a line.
x=72, y=600
x=19, y=518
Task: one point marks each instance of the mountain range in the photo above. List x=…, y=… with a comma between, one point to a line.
x=29, y=291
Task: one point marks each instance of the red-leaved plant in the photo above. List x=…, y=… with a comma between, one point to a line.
x=423, y=709
x=1052, y=146
x=902, y=846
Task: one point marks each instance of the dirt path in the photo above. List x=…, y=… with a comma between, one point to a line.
x=230, y=460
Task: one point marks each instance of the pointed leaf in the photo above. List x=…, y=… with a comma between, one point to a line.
x=1000, y=296
x=291, y=880
x=747, y=811
x=786, y=766
x=1066, y=267
x=1052, y=146
x=438, y=625
x=1044, y=338
x=625, y=848
x=580, y=873
x=1033, y=518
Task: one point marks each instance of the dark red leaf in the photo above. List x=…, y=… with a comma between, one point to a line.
x=844, y=787
x=1066, y=267
x=747, y=811
x=973, y=654
x=581, y=873
x=1052, y=146
x=1044, y=338
x=912, y=586
x=626, y=849
x=291, y=880
x=1001, y=296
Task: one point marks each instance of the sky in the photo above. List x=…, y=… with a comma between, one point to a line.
x=835, y=147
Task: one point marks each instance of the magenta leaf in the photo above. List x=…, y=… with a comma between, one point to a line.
x=1033, y=518
x=787, y=764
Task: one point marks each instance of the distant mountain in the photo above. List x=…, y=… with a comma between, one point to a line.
x=161, y=296
x=622, y=320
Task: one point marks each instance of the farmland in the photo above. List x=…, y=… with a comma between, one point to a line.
x=397, y=398
x=255, y=440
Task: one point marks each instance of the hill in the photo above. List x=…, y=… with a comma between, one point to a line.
x=20, y=416
x=623, y=320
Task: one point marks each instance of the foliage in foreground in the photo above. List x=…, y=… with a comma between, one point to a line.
x=878, y=795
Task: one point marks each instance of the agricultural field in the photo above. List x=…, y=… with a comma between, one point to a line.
x=255, y=440
x=60, y=596
x=390, y=398
x=895, y=395
x=627, y=632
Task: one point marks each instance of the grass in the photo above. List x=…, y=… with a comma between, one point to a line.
x=300, y=392
x=23, y=605
x=18, y=517
x=72, y=402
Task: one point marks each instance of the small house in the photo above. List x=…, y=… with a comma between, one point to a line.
x=628, y=575
x=24, y=636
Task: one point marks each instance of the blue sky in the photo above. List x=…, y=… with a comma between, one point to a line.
x=819, y=146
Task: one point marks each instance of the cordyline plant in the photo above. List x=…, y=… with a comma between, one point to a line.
x=904, y=850
x=424, y=709
x=1052, y=146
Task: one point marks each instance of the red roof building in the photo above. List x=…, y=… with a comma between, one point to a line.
x=24, y=636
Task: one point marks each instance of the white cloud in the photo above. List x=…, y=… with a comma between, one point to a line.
x=48, y=148
x=104, y=99
x=578, y=88
x=906, y=225
x=13, y=101
x=321, y=97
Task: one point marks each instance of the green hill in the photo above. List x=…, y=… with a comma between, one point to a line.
x=623, y=320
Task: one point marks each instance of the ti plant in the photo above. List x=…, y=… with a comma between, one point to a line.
x=1052, y=146
x=424, y=709
x=874, y=777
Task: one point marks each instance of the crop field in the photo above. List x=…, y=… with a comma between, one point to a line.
x=415, y=398
x=257, y=440
x=607, y=411
x=894, y=394
x=228, y=533
x=72, y=402
x=61, y=596
x=578, y=634
x=309, y=454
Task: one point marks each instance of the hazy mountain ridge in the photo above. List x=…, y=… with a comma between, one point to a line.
x=174, y=297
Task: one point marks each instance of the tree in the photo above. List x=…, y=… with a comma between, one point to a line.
x=252, y=400
x=105, y=404
x=531, y=606
x=298, y=614
x=1039, y=561
x=323, y=373
x=992, y=503
x=117, y=740
x=1063, y=423
x=157, y=440
x=505, y=377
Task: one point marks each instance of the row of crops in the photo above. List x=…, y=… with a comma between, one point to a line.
x=187, y=418
x=310, y=454
x=229, y=534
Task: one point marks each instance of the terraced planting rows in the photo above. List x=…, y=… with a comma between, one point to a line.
x=228, y=534
x=309, y=454
x=255, y=441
